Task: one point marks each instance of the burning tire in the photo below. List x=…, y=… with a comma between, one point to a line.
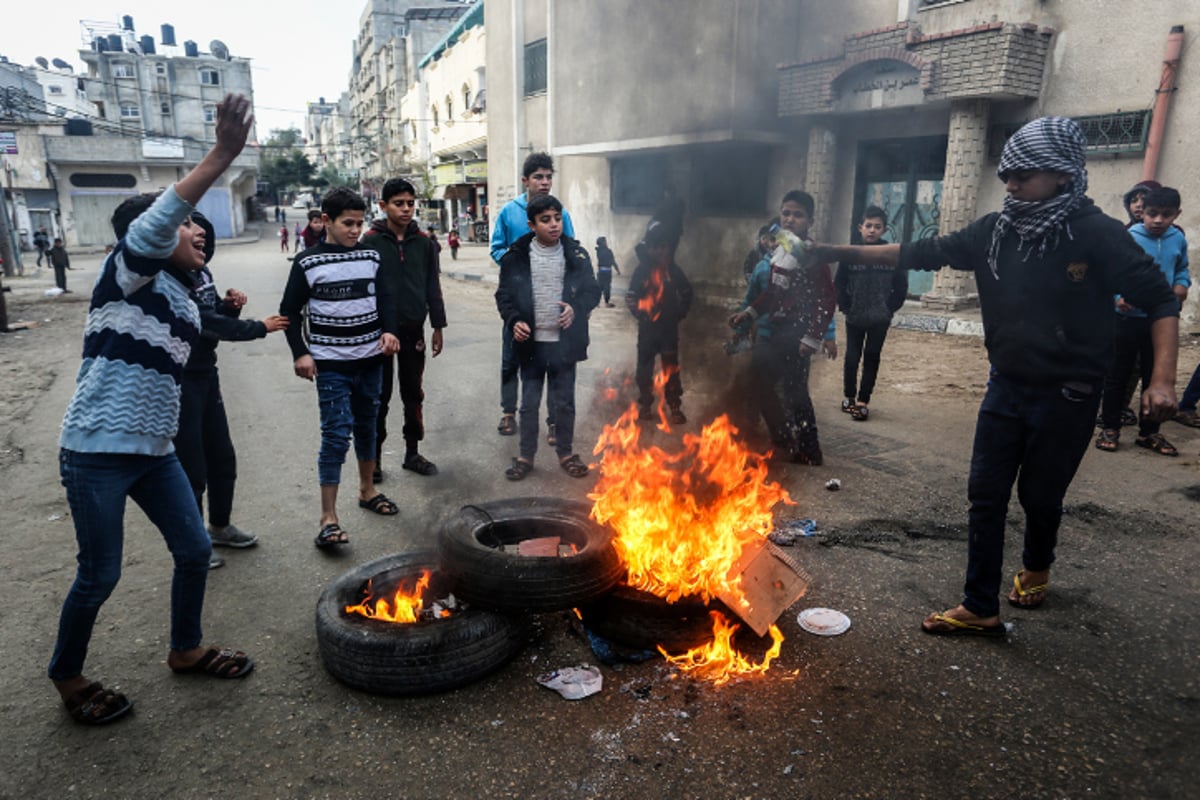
x=413, y=658
x=642, y=620
x=478, y=551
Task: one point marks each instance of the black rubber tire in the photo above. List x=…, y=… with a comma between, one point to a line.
x=419, y=658
x=468, y=546
x=642, y=621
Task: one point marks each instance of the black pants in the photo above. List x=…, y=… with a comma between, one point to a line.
x=203, y=445
x=409, y=367
x=60, y=277
x=666, y=347
x=779, y=379
x=1134, y=348
x=865, y=343
x=604, y=278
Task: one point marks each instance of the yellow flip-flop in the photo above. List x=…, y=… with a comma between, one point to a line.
x=1036, y=593
x=958, y=627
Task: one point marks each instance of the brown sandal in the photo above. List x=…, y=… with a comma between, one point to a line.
x=1157, y=443
x=219, y=663
x=1107, y=440
x=95, y=705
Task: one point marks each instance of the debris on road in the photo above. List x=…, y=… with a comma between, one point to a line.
x=573, y=683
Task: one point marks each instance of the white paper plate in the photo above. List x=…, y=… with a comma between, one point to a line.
x=823, y=621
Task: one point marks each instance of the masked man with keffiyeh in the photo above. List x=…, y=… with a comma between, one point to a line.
x=1047, y=266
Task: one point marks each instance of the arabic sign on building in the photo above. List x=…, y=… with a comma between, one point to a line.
x=8, y=143
x=878, y=84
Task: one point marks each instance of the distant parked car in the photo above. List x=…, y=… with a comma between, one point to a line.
x=299, y=204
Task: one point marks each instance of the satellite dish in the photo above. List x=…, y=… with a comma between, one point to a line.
x=218, y=49
x=60, y=64
x=41, y=62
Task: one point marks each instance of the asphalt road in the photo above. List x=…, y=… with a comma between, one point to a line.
x=1093, y=696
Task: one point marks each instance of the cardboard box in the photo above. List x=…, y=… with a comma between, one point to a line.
x=771, y=582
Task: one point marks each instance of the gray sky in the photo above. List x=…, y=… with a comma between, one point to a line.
x=298, y=54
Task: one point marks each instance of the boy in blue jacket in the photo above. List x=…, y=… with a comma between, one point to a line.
x=1166, y=244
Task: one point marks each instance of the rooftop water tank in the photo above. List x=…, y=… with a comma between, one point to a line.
x=190, y=49
x=168, y=35
x=147, y=43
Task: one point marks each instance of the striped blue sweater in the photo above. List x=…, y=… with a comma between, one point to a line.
x=140, y=329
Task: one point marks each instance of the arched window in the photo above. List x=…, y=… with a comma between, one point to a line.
x=449, y=108
x=435, y=115
x=466, y=93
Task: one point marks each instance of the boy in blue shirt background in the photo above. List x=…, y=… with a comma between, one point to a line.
x=1166, y=244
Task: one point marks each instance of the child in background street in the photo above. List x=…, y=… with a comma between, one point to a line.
x=659, y=297
x=453, y=241
x=299, y=234
x=314, y=232
x=606, y=265
x=1046, y=266
x=868, y=294
x=203, y=444
x=117, y=432
x=61, y=263
x=349, y=314
x=1157, y=235
x=283, y=238
x=408, y=264
x=546, y=292
x=763, y=245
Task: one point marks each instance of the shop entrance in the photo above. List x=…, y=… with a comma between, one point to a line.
x=904, y=178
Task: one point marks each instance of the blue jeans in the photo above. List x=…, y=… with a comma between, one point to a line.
x=1035, y=436
x=510, y=378
x=97, y=485
x=560, y=396
x=349, y=405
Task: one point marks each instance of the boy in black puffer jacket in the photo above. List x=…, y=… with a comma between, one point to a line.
x=868, y=294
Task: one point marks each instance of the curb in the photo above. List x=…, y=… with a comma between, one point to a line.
x=932, y=323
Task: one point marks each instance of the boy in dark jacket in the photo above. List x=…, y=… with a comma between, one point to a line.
x=546, y=292
x=408, y=265
x=203, y=444
x=868, y=294
x=61, y=263
x=659, y=297
x=1047, y=267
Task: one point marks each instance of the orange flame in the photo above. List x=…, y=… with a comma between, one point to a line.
x=718, y=661
x=682, y=519
x=651, y=301
x=405, y=607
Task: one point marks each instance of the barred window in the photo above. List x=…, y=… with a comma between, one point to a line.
x=1119, y=132
x=210, y=77
x=535, y=67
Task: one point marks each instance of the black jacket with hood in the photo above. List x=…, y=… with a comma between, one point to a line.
x=1049, y=319
x=410, y=270
x=514, y=296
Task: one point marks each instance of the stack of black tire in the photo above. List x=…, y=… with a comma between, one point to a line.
x=477, y=561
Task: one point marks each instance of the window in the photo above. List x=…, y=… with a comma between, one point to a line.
x=210, y=114
x=466, y=93
x=122, y=69
x=435, y=116
x=130, y=111
x=210, y=77
x=160, y=68
x=166, y=108
x=730, y=180
x=637, y=183
x=52, y=89
x=1119, y=132
x=449, y=109
x=535, y=67
x=100, y=180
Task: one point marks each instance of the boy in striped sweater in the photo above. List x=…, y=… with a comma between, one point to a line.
x=116, y=436
x=350, y=328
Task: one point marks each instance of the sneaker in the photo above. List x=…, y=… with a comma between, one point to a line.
x=677, y=417
x=232, y=536
x=215, y=561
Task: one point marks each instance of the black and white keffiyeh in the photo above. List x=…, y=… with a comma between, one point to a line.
x=1048, y=144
